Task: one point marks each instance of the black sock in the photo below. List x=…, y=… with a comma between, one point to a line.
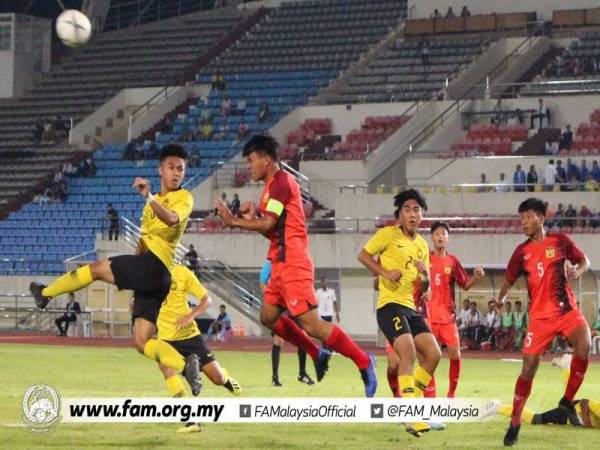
x=275, y=353
x=557, y=416
x=301, y=362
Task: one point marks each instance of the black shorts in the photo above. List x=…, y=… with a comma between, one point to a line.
x=194, y=345
x=147, y=277
x=395, y=320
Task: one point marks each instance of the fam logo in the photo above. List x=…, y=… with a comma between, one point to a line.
x=550, y=252
x=41, y=407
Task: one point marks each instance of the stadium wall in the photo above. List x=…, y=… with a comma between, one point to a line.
x=420, y=9
x=6, y=74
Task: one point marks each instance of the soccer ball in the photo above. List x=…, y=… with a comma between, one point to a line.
x=73, y=28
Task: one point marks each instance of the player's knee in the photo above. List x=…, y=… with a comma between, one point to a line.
x=139, y=344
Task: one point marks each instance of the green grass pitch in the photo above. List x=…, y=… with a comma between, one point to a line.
x=106, y=372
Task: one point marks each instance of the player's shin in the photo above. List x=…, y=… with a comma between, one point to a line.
x=339, y=342
x=175, y=386
x=165, y=354
x=69, y=282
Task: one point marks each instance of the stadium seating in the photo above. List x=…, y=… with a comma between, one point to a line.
x=488, y=140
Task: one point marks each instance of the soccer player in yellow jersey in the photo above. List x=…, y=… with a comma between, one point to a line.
x=148, y=272
x=176, y=325
x=403, y=271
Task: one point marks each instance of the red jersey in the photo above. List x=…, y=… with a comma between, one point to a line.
x=444, y=273
x=281, y=199
x=543, y=264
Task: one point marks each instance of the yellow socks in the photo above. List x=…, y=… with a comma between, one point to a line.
x=526, y=415
x=422, y=380
x=69, y=282
x=165, y=354
x=407, y=386
x=175, y=386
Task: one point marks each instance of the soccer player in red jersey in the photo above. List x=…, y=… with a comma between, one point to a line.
x=445, y=271
x=548, y=261
x=291, y=285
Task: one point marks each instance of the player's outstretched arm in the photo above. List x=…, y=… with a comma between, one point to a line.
x=503, y=293
x=478, y=274
x=165, y=215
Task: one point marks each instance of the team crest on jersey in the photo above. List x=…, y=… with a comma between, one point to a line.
x=550, y=252
x=447, y=270
x=420, y=253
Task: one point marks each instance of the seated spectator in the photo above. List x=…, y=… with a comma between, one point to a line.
x=519, y=179
x=240, y=107
x=506, y=334
x=570, y=213
x=194, y=159
x=566, y=139
x=465, y=12
x=207, y=131
x=44, y=197
x=572, y=184
x=595, y=172
x=474, y=328
x=205, y=114
x=542, y=113
x=167, y=126
x=264, y=113
x=463, y=318
x=220, y=326
x=502, y=185
x=483, y=181
x=243, y=130
x=492, y=323
x=559, y=216
x=153, y=152
x=226, y=106
x=48, y=134
x=218, y=81
x=499, y=117
x=551, y=147
x=436, y=14
x=585, y=215
x=532, y=178
x=450, y=12
x=130, y=151
x=425, y=51
x=222, y=132
x=235, y=205
x=591, y=185
x=69, y=170
x=87, y=168
x=521, y=321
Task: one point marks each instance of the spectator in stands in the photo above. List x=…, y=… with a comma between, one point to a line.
x=69, y=170
x=38, y=132
x=519, y=179
x=187, y=134
x=561, y=174
x=226, y=106
x=506, y=334
x=112, y=215
x=194, y=159
x=532, y=178
x=207, y=131
x=167, y=126
x=90, y=168
x=572, y=170
x=243, y=130
x=463, y=317
x=218, y=81
x=583, y=171
x=450, y=12
x=566, y=139
x=502, y=185
x=224, y=198
x=240, y=107
x=551, y=147
x=572, y=184
x=220, y=325
x=492, y=323
x=474, y=327
x=425, y=50
x=130, y=152
x=570, y=213
x=549, y=215
x=595, y=172
x=264, y=113
x=585, y=215
x=542, y=112
x=73, y=309
x=153, y=152
x=44, y=197
x=521, y=321
x=205, y=114
x=559, y=216
x=436, y=14
x=222, y=132
x=591, y=185
x=499, y=117
x=483, y=180
x=48, y=133
x=191, y=259
x=465, y=12
x=235, y=205
x=549, y=176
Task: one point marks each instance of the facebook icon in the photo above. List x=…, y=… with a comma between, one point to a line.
x=245, y=411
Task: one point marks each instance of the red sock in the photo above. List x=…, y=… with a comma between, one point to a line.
x=430, y=391
x=522, y=391
x=578, y=368
x=392, y=377
x=287, y=329
x=340, y=342
x=453, y=375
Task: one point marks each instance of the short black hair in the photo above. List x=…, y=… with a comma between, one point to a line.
x=222, y=306
x=409, y=194
x=533, y=204
x=439, y=224
x=173, y=150
x=518, y=302
x=262, y=143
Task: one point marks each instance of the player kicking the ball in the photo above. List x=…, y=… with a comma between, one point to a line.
x=291, y=285
x=548, y=261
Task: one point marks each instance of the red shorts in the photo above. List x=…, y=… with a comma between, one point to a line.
x=445, y=333
x=540, y=332
x=292, y=288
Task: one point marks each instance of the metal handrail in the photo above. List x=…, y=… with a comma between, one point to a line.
x=227, y=283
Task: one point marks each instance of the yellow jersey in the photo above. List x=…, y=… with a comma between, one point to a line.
x=183, y=282
x=157, y=236
x=398, y=252
x=594, y=412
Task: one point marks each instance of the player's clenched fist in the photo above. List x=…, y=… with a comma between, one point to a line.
x=142, y=185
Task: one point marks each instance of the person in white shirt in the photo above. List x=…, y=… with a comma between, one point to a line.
x=492, y=323
x=463, y=317
x=474, y=325
x=502, y=185
x=549, y=176
x=327, y=302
